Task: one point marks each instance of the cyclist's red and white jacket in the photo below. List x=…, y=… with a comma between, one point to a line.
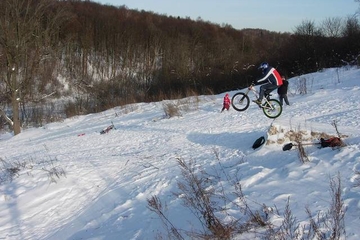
x=272, y=76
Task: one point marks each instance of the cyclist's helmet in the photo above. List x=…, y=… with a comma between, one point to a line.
x=263, y=66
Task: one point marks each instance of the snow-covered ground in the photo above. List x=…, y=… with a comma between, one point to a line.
x=105, y=180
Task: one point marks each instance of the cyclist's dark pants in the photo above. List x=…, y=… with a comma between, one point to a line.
x=266, y=89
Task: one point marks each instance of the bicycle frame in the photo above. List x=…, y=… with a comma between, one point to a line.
x=241, y=101
x=256, y=94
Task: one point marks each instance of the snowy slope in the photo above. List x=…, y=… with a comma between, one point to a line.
x=107, y=179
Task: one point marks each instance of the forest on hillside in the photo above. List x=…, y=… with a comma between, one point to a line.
x=100, y=56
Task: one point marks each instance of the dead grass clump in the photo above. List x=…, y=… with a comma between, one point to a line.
x=10, y=170
x=330, y=224
x=273, y=130
x=293, y=135
x=298, y=139
x=175, y=108
x=171, y=110
x=206, y=197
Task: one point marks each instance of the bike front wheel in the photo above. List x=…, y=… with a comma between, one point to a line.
x=274, y=110
x=240, y=101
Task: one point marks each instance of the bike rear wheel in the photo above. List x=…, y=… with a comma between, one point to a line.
x=274, y=110
x=240, y=101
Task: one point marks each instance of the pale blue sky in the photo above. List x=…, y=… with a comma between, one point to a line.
x=273, y=15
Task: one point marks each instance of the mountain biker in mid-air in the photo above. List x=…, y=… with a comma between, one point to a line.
x=270, y=80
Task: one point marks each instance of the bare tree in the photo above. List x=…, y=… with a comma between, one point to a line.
x=306, y=35
x=307, y=28
x=331, y=27
x=352, y=27
x=27, y=32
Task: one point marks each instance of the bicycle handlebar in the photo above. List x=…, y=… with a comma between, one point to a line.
x=251, y=85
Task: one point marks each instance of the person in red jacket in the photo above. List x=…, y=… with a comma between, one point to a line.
x=270, y=80
x=226, y=103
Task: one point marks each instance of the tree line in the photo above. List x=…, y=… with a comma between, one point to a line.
x=101, y=56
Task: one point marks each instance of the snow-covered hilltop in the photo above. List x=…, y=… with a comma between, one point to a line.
x=70, y=182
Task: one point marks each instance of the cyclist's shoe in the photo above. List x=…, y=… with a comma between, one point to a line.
x=257, y=101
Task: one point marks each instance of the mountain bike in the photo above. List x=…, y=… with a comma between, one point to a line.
x=271, y=107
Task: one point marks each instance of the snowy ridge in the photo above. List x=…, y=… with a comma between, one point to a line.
x=110, y=177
